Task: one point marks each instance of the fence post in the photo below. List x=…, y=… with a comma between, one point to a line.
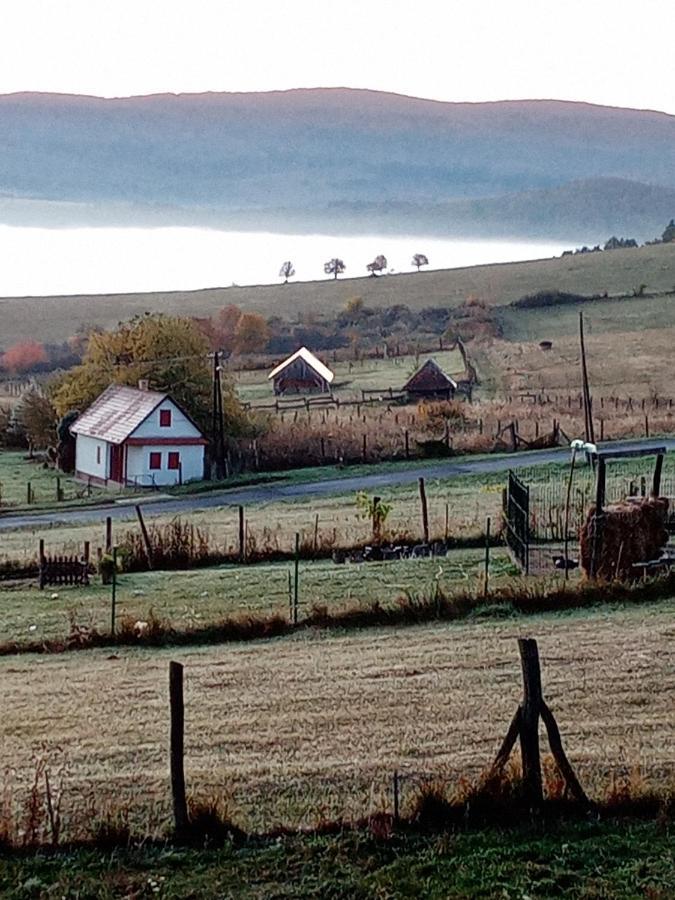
x=425, y=511
x=113, y=591
x=108, y=534
x=242, y=535
x=396, y=797
x=176, y=747
x=42, y=563
x=296, y=578
x=529, y=720
x=486, y=584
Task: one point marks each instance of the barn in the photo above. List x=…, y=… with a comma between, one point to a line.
x=301, y=373
x=430, y=382
x=139, y=437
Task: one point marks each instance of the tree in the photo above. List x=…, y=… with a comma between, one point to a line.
x=419, y=259
x=36, y=417
x=23, y=357
x=379, y=264
x=334, y=267
x=669, y=233
x=220, y=329
x=252, y=334
x=168, y=351
x=286, y=271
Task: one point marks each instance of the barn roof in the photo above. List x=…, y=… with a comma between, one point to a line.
x=430, y=377
x=310, y=359
x=117, y=413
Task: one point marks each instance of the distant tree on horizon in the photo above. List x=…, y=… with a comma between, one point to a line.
x=379, y=264
x=286, y=271
x=669, y=233
x=419, y=259
x=334, y=267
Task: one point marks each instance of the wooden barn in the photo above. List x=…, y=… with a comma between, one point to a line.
x=301, y=373
x=430, y=382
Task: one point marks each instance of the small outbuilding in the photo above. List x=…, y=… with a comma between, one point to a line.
x=139, y=437
x=430, y=382
x=301, y=373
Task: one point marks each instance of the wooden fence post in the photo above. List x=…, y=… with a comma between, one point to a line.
x=529, y=721
x=41, y=552
x=296, y=578
x=108, y=534
x=146, y=536
x=113, y=591
x=176, y=747
x=486, y=583
x=425, y=511
x=242, y=535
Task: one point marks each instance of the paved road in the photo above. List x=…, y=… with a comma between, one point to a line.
x=266, y=493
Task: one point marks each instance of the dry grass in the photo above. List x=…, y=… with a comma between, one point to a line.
x=304, y=729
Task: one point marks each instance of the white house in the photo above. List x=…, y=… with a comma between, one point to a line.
x=137, y=436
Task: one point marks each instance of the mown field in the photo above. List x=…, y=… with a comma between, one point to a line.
x=56, y=318
x=307, y=728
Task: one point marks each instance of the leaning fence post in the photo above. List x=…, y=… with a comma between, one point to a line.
x=176, y=747
x=425, y=511
x=529, y=720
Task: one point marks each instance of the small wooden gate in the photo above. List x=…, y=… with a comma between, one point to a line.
x=517, y=519
x=63, y=569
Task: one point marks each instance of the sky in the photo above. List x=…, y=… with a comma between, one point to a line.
x=617, y=53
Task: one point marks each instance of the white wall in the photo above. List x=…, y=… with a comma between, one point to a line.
x=181, y=426
x=85, y=457
x=138, y=463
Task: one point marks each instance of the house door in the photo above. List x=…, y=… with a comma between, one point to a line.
x=117, y=462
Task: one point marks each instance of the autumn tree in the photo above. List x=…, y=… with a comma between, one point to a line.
x=419, y=259
x=334, y=267
x=252, y=334
x=286, y=271
x=220, y=329
x=168, y=351
x=37, y=419
x=23, y=357
x=379, y=264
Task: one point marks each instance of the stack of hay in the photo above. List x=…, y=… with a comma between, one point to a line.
x=633, y=531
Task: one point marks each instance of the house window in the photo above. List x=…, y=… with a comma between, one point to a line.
x=165, y=418
x=155, y=460
x=98, y=456
x=174, y=461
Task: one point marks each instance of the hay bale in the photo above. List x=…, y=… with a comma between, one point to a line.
x=633, y=531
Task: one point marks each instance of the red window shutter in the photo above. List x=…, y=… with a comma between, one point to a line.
x=155, y=460
x=174, y=460
x=165, y=418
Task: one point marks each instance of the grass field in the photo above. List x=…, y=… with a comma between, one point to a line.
x=254, y=387
x=617, y=860
x=17, y=472
x=56, y=318
x=203, y=596
x=303, y=729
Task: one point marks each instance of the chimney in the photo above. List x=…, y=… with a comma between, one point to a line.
x=143, y=384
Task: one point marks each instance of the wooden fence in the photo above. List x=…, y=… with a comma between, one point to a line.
x=61, y=570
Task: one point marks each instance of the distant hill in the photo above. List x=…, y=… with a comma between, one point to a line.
x=354, y=159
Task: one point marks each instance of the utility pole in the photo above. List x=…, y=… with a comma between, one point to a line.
x=217, y=423
x=586, y=391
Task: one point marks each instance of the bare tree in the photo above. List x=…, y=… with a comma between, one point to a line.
x=286, y=271
x=419, y=259
x=379, y=264
x=334, y=267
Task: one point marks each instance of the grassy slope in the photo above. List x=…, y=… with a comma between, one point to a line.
x=56, y=318
x=620, y=860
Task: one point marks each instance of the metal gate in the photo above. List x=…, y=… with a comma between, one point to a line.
x=517, y=519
